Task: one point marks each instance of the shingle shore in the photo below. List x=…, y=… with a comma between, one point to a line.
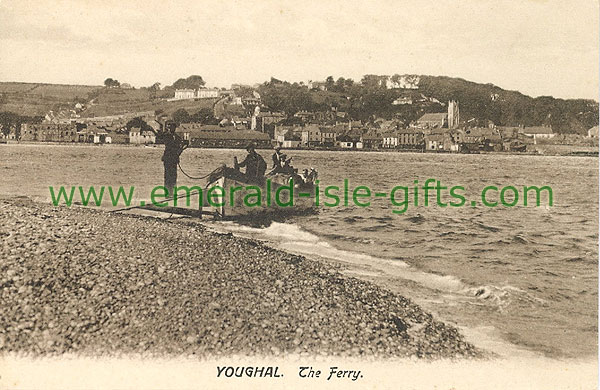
x=84, y=281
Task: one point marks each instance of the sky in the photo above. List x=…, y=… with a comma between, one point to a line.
x=537, y=47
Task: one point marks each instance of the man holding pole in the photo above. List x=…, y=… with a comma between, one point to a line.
x=174, y=146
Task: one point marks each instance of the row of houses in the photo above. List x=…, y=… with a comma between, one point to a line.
x=200, y=93
x=234, y=96
x=346, y=136
x=56, y=132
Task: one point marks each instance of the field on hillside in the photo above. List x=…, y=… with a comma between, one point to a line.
x=37, y=99
x=56, y=91
x=115, y=107
x=33, y=99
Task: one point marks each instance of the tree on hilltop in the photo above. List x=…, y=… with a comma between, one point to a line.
x=111, y=83
x=139, y=123
x=155, y=87
x=192, y=82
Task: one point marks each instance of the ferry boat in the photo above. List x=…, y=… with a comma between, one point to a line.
x=230, y=194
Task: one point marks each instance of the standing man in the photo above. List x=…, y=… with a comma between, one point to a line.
x=254, y=163
x=174, y=146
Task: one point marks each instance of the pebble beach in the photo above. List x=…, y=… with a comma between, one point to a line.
x=91, y=282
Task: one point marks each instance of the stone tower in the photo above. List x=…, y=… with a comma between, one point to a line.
x=453, y=114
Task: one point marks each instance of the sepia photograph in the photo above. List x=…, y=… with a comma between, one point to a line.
x=288, y=195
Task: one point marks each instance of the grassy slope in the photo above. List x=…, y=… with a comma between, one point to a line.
x=38, y=99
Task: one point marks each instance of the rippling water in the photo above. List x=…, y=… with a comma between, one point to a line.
x=527, y=273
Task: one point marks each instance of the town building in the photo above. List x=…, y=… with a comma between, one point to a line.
x=321, y=85
x=305, y=116
x=372, y=141
x=389, y=140
x=48, y=132
x=251, y=101
x=235, y=101
x=311, y=135
x=93, y=136
x=538, y=132
x=329, y=134
x=433, y=120
x=183, y=94
x=437, y=142
x=291, y=139
x=410, y=139
x=222, y=137
x=8, y=134
x=402, y=100
x=344, y=141
x=137, y=136
x=200, y=93
x=207, y=93
x=261, y=119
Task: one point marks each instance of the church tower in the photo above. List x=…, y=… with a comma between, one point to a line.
x=453, y=114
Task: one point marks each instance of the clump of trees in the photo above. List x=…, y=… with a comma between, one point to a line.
x=283, y=96
x=203, y=115
x=139, y=123
x=111, y=83
x=155, y=87
x=191, y=82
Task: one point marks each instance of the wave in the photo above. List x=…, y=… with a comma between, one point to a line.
x=352, y=219
x=519, y=239
x=376, y=228
x=504, y=296
x=417, y=219
x=293, y=238
x=487, y=227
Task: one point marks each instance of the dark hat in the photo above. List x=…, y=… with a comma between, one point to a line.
x=250, y=147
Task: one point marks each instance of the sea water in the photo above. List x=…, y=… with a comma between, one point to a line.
x=526, y=274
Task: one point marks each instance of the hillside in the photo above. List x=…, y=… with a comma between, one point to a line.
x=114, y=101
x=479, y=103
x=364, y=100
x=489, y=102
x=31, y=99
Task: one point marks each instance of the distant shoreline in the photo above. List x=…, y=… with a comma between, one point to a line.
x=573, y=153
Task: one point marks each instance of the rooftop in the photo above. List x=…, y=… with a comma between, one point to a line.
x=538, y=130
x=230, y=135
x=434, y=116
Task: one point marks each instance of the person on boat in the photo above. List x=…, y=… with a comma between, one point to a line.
x=277, y=160
x=254, y=163
x=287, y=165
x=298, y=180
x=174, y=146
x=304, y=175
x=312, y=175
